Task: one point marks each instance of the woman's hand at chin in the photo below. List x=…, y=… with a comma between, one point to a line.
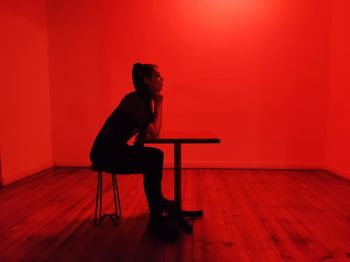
x=157, y=97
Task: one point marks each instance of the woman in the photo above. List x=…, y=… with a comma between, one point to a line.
x=139, y=112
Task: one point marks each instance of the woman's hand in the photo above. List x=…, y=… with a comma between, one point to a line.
x=157, y=98
x=154, y=128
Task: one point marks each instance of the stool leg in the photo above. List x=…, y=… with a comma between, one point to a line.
x=118, y=208
x=98, y=207
x=116, y=195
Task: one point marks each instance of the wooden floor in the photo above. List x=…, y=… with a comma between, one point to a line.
x=249, y=215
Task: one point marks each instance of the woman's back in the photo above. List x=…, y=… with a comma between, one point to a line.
x=131, y=116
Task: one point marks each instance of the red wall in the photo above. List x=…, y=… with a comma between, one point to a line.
x=79, y=77
x=25, y=117
x=269, y=78
x=338, y=143
x=255, y=73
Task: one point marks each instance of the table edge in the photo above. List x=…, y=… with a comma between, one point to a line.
x=181, y=140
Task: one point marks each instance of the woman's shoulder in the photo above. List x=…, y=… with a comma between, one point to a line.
x=131, y=100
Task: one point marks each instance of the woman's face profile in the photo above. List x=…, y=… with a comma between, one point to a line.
x=155, y=83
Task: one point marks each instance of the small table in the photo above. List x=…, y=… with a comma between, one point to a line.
x=178, y=139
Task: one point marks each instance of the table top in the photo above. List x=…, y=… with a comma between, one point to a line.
x=183, y=138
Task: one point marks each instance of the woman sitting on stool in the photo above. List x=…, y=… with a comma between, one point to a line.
x=139, y=112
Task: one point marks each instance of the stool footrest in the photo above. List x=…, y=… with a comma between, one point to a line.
x=113, y=217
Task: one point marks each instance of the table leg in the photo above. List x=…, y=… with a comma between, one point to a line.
x=181, y=214
x=177, y=175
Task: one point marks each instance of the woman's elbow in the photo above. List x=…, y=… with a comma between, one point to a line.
x=152, y=131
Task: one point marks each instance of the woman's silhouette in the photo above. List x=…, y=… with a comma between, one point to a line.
x=139, y=112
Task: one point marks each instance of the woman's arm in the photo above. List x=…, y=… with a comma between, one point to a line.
x=153, y=128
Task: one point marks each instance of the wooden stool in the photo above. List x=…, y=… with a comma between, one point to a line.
x=99, y=216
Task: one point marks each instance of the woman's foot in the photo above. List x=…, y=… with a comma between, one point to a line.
x=168, y=206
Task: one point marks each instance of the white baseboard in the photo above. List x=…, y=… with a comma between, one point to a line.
x=193, y=164
x=246, y=165
x=218, y=164
x=71, y=163
x=10, y=178
x=338, y=171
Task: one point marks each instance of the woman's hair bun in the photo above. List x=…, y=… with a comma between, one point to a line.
x=137, y=67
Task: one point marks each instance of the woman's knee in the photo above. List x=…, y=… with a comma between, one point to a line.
x=156, y=153
x=160, y=154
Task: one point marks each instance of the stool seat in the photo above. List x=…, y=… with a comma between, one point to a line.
x=114, y=170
